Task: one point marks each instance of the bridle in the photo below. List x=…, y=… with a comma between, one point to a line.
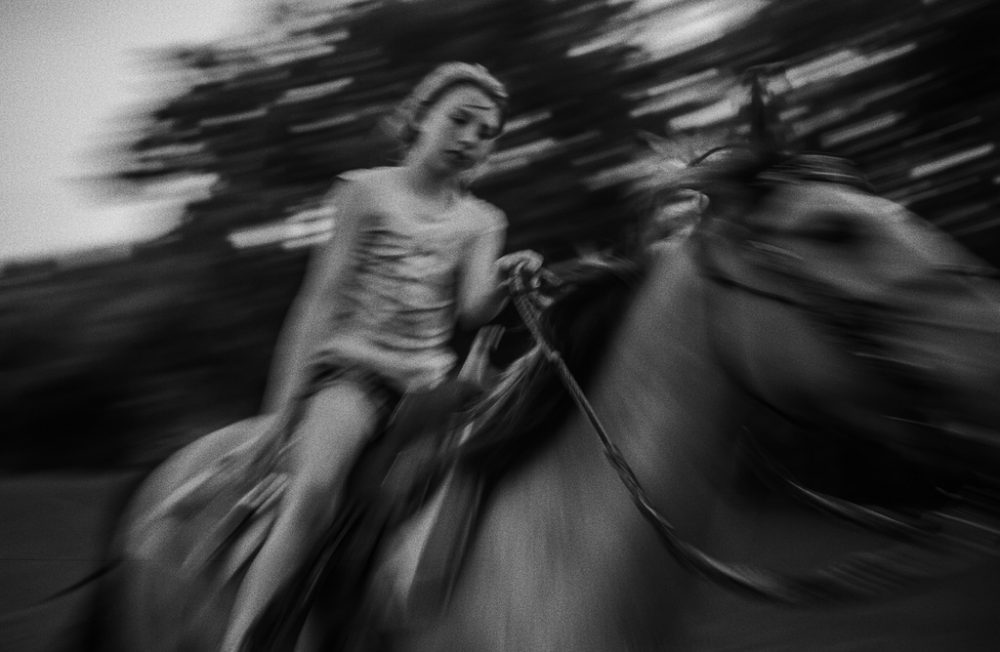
x=928, y=550
x=847, y=318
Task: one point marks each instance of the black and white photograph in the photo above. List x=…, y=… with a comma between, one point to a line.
x=499, y=326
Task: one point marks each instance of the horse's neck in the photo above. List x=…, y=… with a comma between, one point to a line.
x=664, y=385
x=564, y=537
x=668, y=403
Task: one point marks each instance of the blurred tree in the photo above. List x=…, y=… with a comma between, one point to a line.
x=275, y=115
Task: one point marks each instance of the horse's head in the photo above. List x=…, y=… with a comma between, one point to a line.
x=835, y=303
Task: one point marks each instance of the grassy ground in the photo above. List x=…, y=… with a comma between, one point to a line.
x=56, y=529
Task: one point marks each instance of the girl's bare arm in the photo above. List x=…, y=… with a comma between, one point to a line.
x=481, y=291
x=305, y=323
x=480, y=296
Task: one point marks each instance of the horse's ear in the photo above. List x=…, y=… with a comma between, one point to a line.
x=767, y=138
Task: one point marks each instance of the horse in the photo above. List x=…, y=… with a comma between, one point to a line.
x=800, y=297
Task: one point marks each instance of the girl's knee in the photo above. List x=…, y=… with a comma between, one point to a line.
x=338, y=421
x=310, y=500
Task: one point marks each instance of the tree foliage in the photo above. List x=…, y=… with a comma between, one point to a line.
x=276, y=116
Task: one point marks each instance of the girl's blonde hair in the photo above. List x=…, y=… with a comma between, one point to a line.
x=404, y=124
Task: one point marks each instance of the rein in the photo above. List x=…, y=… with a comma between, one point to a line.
x=734, y=577
x=858, y=576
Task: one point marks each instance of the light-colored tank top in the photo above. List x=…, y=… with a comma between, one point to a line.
x=395, y=311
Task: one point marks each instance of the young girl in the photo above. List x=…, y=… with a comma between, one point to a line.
x=414, y=255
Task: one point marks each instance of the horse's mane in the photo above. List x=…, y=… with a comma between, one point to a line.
x=735, y=178
x=529, y=402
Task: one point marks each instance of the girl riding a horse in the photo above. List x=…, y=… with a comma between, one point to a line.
x=414, y=255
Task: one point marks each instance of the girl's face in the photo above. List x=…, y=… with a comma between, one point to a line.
x=458, y=131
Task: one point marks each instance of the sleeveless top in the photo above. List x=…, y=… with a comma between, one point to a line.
x=394, y=311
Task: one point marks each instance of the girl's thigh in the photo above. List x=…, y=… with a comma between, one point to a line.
x=337, y=420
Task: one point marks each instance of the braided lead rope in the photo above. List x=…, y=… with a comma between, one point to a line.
x=863, y=575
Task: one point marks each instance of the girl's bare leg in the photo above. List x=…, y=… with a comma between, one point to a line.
x=337, y=421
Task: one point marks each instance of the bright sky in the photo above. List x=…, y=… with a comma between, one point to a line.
x=67, y=69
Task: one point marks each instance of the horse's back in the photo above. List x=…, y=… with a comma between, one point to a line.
x=190, y=460
x=151, y=592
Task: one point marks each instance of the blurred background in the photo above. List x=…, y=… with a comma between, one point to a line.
x=163, y=163
x=144, y=314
